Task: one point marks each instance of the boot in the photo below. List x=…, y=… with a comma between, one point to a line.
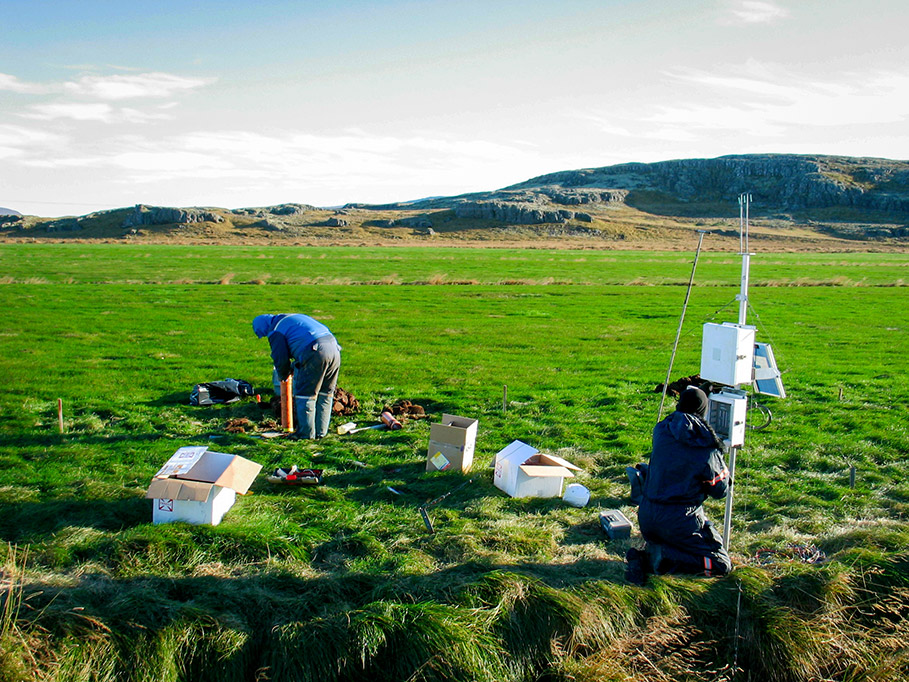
x=306, y=418
x=324, y=403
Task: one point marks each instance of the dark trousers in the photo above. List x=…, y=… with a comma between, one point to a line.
x=682, y=540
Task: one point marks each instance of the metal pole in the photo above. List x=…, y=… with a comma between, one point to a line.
x=727, y=518
x=744, y=203
x=678, y=331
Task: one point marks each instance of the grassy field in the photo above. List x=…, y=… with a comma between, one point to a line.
x=128, y=264
x=343, y=581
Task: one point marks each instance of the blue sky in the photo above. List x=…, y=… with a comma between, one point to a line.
x=233, y=104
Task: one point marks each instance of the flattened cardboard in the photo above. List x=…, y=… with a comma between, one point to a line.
x=455, y=439
x=555, y=460
x=181, y=461
x=542, y=470
x=218, y=468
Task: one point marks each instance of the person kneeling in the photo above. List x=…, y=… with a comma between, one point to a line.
x=686, y=466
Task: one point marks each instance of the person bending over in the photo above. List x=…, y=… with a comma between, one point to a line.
x=686, y=466
x=306, y=348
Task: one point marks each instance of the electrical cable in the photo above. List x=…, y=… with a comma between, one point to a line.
x=767, y=333
x=738, y=613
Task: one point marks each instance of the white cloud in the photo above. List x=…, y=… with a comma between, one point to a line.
x=133, y=86
x=604, y=125
x=756, y=12
x=114, y=87
x=92, y=111
x=22, y=142
x=299, y=166
x=130, y=115
x=13, y=84
x=76, y=111
x=768, y=101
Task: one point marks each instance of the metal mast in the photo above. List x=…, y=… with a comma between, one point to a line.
x=742, y=298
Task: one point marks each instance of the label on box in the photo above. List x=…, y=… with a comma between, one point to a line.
x=440, y=461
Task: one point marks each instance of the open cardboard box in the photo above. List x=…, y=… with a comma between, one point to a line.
x=451, y=444
x=522, y=471
x=199, y=486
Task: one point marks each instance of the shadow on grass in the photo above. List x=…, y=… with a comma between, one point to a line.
x=24, y=442
x=39, y=521
x=169, y=399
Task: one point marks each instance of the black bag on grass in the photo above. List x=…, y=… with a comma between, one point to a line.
x=217, y=392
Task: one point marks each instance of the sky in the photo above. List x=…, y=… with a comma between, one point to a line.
x=106, y=104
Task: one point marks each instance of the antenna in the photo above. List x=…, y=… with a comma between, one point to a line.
x=678, y=332
x=742, y=298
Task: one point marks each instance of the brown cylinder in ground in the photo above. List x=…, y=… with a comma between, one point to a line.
x=287, y=404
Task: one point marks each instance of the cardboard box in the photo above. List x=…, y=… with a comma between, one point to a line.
x=199, y=486
x=521, y=471
x=451, y=444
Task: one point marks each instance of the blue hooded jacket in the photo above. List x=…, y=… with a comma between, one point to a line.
x=686, y=464
x=290, y=337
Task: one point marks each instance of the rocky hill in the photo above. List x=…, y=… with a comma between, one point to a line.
x=798, y=201
x=777, y=182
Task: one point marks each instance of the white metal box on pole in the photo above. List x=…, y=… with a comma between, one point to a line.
x=726, y=412
x=727, y=353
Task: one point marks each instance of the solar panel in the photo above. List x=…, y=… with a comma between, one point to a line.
x=766, y=374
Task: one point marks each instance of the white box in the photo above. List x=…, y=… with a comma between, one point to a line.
x=199, y=486
x=727, y=353
x=451, y=444
x=521, y=471
x=726, y=413
x=180, y=501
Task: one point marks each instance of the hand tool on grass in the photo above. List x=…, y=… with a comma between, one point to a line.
x=424, y=508
x=366, y=428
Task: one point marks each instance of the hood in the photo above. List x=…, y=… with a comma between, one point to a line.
x=690, y=430
x=263, y=324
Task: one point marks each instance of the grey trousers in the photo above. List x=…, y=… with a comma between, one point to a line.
x=315, y=380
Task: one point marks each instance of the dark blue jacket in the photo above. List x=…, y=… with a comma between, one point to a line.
x=686, y=464
x=290, y=337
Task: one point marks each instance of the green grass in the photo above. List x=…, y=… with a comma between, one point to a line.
x=343, y=581
x=129, y=264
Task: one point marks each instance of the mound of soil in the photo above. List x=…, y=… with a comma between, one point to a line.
x=406, y=409
x=345, y=403
x=239, y=425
